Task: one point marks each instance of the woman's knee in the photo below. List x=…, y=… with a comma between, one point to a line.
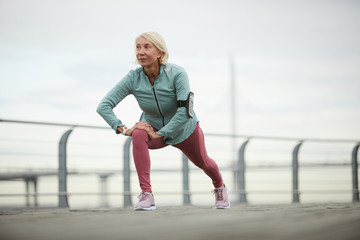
x=139, y=134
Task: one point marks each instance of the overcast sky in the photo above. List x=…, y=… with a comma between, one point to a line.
x=297, y=63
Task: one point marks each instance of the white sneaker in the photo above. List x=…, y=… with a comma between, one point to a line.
x=146, y=202
x=221, y=198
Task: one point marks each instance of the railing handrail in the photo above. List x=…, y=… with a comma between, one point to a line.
x=240, y=169
x=207, y=134
x=53, y=124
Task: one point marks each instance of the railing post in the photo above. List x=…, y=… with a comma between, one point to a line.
x=27, y=182
x=104, y=202
x=354, y=166
x=185, y=174
x=295, y=173
x=241, y=173
x=62, y=171
x=126, y=173
x=35, y=181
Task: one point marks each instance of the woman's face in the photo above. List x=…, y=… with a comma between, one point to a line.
x=146, y=52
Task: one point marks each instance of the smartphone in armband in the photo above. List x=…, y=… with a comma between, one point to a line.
x=189, y=104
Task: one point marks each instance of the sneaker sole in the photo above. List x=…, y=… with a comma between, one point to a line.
x=151, y=208
x=223, y=207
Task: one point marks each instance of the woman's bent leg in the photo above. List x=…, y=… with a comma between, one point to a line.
x=141, y=156
x=194, y=149
x=141, y=144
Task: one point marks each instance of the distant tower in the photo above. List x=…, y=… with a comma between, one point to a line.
x=233, y=106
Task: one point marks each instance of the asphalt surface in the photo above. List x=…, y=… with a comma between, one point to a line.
x=289, y=221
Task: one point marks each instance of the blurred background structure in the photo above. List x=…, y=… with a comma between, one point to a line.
x=89, y=170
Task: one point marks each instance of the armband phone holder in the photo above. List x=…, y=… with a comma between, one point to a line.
x=189, y=104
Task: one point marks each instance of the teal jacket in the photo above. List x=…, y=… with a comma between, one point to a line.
x=158, y=102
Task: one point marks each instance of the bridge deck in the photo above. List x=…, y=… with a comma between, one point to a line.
x=286, y=221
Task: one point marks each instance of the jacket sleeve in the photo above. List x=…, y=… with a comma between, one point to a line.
x=111, y=99
x=182, y=88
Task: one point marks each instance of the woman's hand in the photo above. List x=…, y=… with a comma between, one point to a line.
x=148, y=128
x=144, y=126
x=128, y=132
x=153, y=135
x=140, y=125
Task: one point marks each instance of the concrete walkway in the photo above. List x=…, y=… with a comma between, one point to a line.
x=292, y=221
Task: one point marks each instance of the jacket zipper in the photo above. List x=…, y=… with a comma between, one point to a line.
x=157, y=103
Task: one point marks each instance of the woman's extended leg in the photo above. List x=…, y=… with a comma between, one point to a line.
x=194, y=148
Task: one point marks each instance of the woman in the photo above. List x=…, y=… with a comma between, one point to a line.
x=162, y=91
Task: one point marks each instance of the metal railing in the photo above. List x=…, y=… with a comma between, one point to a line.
x=239, y=170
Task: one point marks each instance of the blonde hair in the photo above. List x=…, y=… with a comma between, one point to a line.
x=158, y=42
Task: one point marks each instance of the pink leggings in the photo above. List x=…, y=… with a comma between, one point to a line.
x=193, y=147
